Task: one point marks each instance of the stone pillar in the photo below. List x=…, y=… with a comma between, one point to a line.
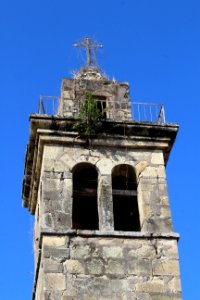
x=153, y=201
x=105, y=204
x=57, y=201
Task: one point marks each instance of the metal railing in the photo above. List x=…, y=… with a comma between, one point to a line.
x=48, y=105
x=148, y=112
x=140, y=111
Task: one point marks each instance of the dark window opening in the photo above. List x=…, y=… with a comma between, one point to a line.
x=84, y=209
x=125, y=205
x=101, y=105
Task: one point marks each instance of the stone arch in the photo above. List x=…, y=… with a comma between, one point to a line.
x=85, y=185
x=125, y=202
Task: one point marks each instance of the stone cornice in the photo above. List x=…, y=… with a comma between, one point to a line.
x=119, y=234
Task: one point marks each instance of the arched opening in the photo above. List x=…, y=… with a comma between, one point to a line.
x=84, y=209
x=125, y=205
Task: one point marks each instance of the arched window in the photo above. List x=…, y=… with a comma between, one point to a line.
x=84, y=209
x=125, y=205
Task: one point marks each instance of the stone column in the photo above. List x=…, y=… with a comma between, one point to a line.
x=153, y=202
x=105, y=204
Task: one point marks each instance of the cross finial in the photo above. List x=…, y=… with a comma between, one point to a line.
x=90, y=47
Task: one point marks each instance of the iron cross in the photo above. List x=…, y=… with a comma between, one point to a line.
x=89, y=47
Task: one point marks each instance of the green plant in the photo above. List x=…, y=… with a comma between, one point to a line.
x=89, y=118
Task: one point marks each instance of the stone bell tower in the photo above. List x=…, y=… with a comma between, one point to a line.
x=103, y=227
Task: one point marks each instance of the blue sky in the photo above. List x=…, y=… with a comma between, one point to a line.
x=155, y=46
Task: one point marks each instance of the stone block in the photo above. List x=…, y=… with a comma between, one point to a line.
x=146, y=184
x=164, y=200
x=150, y=286
x=117, y=285
x=174, y=285
x=166, y=296
x=166, y=267
x=54, y=281
x=115, y=267
x=47, y=220
x=112, y=252
x=67, y=95
x=50, y=184
x=59, y=254
x=60, y=165
x=87, y=297
x=146, y=195
x=51, y=194
x=80, y=251
x=52, y=266
x=140, y=167
x=105, y=166
x=169, y=249
x=157, y=224
x=52, y=151
x=54, y=241
x=108, y=241
x=66, y=189
x=146, y=251
x=95, y=266
x=73, y=267
x=157, y=158
x=66, y=297
x=147, y=211
x=165, y=211
x=139, y=266
x=47, y=296
x=131, y=296
x=80, y=284
x=153, y=172
x=52, y=203
x=62, y=221
x=132, y=244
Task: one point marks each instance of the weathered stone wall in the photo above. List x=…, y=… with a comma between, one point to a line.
x=56, y=185
x=109, y=268
x=116, y=94
x=104, y=264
